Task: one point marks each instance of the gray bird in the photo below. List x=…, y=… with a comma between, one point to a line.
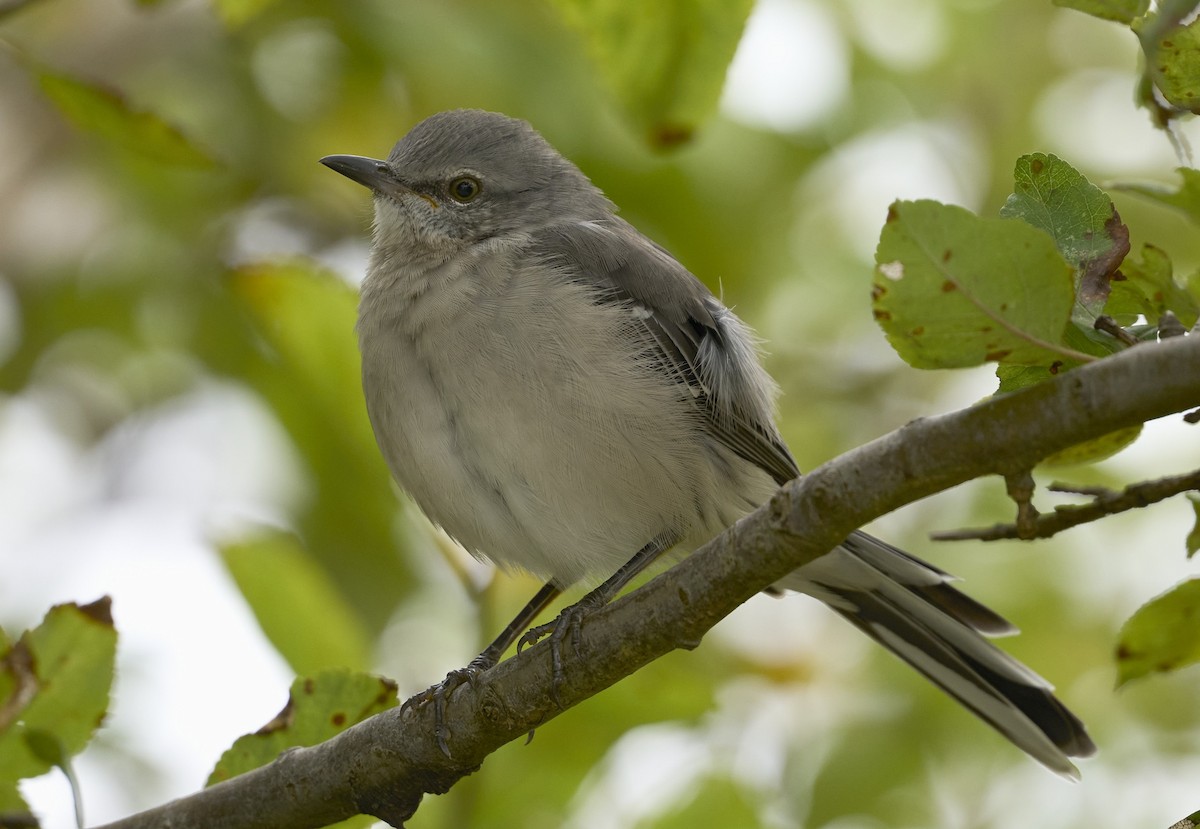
x=561, y=395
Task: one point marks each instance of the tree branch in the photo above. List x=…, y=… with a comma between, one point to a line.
x=384, y=765
x=1105, y=503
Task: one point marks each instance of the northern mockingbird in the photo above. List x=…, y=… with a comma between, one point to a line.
x=561, y=395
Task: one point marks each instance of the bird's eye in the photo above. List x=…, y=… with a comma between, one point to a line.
x=464, y=188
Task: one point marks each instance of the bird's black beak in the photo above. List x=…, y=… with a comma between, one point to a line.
x=372, y=173
x=369, y=172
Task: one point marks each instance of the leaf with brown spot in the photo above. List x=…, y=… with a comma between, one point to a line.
x=1053, y=196
x=318, y=708
x=1003, y=293
x=54, y=683
x=1176, y=66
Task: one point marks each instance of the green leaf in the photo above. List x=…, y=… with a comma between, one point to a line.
x=1193, y=538
x=1096, y=449
x=1120, y=11
x=234, y=13
x=305, y=317
x=952, y=289
x=1174, y=64
x=308, y=315
x=1147, y=286
x=318, y=708
x=107, y=114
x=1163, y=635
x=13, y=805
x=54, y=684
x=666, y=61
x=298, y=608
x=717, y=801
x=1053, y=196
x=1014, y=378
x=1185, y=197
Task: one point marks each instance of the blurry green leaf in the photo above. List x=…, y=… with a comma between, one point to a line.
x=1174, y=64
x=308, y=314
x=1148, y=287
x=13, y=805
x=234, y=13
x=297, y=606
x=1096, y=449
x=1121, y=11
x=318, y=708
x=1053, y=196
x=716, y=801
x=1193, y=538
x=1185, y=197
x=54, y=684
x=310, y=376
x=666, y=61
x=952, y=289
x=105, y=113
x=1163, y=635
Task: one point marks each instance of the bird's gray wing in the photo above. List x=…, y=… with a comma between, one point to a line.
x=701, y=342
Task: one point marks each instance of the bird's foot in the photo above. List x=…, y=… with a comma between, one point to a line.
x=569, y=623
x=438, y=694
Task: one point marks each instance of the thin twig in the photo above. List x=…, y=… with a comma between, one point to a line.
x=1082, y=489
x=1109, y=326
x=1106, y=503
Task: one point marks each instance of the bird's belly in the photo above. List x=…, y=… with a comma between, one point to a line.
x=547, y=447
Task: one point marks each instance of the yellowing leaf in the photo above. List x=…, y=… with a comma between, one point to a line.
x=952, y=289
x=1163, y=635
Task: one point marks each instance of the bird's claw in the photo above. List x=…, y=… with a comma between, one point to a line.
x=438, y=694
x=568, y=623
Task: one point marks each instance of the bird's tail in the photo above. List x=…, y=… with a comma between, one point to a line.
x=908, y=607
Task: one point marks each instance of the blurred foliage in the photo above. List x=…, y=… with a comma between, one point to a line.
x=1163, y=635
x=665, y=62
x=162, y=217
x=296, y=605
